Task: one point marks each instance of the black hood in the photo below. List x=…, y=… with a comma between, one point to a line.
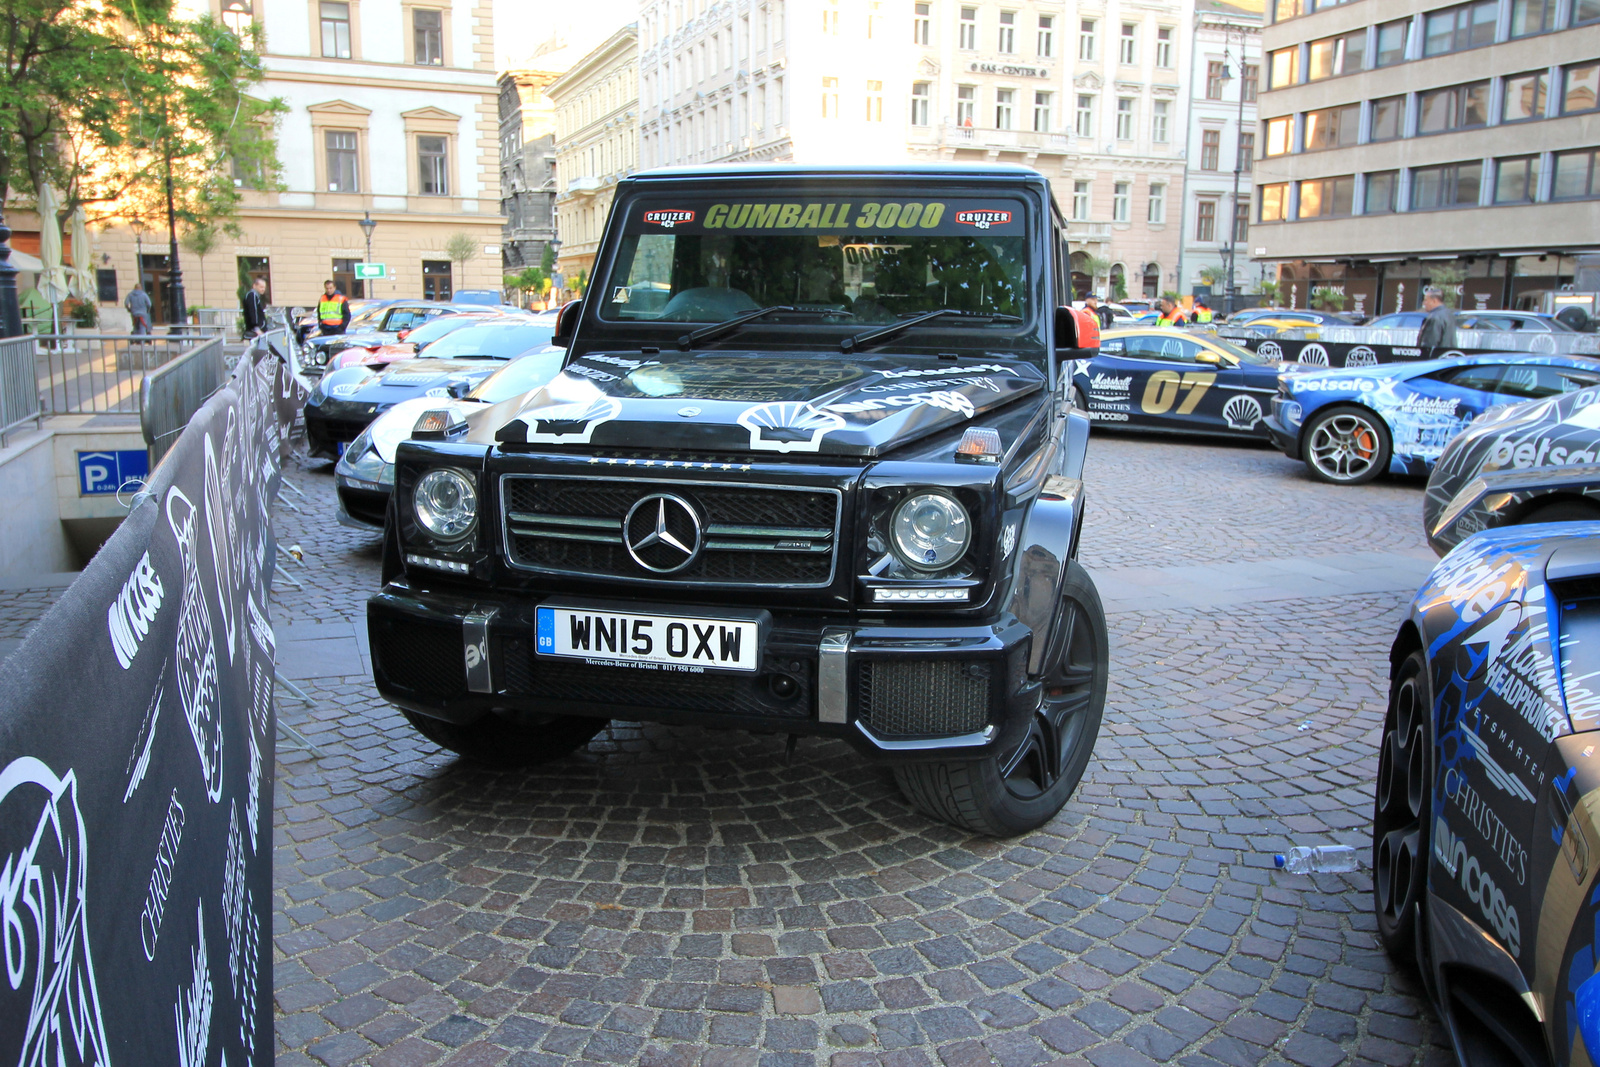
x=831, y=405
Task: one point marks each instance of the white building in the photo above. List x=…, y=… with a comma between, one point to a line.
x=1221, y=138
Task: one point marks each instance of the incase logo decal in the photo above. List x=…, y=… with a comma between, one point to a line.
x=983, y=219
x=669, y=217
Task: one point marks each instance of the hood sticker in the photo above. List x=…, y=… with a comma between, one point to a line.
x=788, y=427
x=570, y=424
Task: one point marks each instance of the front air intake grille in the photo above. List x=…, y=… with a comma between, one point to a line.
x=424, y=657
x=759, y=535
x=911, y=697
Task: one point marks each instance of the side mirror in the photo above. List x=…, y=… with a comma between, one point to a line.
x=567, y=324
x=1076, y=329
x=1213, y=358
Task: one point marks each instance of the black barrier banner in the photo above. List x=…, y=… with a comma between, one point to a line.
x=136, y=749
x=1337, y=354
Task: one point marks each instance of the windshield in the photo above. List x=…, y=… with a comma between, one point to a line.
x=836, y=261
x=497, y=342
x=432, y=331
x=520, y=375
x=1243, y=355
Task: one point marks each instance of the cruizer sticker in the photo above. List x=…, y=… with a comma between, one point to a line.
x=983, y=219
x=668, y=217
x=788, y=426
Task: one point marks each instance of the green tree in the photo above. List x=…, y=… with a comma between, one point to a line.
x=1328, y=298
x=1449, y=279
x=202, y=240
x=1270, y=292
x=1119, y=287
x=547, y=261
x=578, y=282
x=1213, y=276
x=460, y=247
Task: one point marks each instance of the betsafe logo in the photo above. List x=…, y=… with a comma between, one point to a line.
x=668, y=217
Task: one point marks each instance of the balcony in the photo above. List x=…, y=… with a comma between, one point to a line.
x=951, y=135
x=1079, y=233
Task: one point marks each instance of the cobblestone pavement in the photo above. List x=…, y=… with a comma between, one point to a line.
x=684, y=897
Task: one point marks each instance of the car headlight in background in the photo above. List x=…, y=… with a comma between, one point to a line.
x=446, y=504
x=930, y=531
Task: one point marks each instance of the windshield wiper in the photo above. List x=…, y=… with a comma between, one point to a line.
x=727, y=326
x=872, y=337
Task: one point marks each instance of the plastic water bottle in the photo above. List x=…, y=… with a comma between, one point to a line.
x=1319, y=859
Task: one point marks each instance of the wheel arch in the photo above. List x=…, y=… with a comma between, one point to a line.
x=1527, y=507
x=1351, y=404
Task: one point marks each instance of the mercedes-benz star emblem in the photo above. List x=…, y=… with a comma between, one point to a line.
x=662, y=533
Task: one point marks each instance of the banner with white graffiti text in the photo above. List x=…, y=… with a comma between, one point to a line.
x=136, y=754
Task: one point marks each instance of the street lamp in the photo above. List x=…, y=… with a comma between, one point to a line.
x=367, y=226
x=1238, y=168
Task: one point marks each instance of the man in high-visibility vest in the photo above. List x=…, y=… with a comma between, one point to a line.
x=1171, y=313
x=333, y=310
x=1203, y=314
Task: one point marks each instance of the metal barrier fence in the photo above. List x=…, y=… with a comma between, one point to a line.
x=19, y=385
x=171, y=394
x=1563, y=344
x=96, y=373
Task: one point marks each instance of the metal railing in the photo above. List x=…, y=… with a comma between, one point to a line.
x=96, y=373
x=1564, y=344
x=171, y=394
x=19, y=385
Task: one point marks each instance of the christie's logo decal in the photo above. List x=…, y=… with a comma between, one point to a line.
x=983, y=219
x=669, y=217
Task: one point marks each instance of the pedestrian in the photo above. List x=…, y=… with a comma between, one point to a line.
x=138, y=305
x=333, y=310
x=1439, y=328
x=255, y=309
x=1171, y=313
x=1099, y=311
x=1203, y=315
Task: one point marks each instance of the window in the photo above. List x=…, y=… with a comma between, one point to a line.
x=1159, y=112
x=1205, y=221
x=1393, y=38
x=1006, y=40
x=1247, y=151
x=1334, y=127
x=1585, y=11
x=1274, y=202
x=830, y=18
x=1459, y=107
x=1124, y=118
x=1216, y=78
x=1388, y=118
x=966, y=104
x=1532, y=16
x=435, y=171
x=1080, y=201
x=1580, y=87
x=922, y=24
x=1337, y=55
x=345, y=280
x=830, y=98
x=1128, y=44
x=969, y=29
x=1002, y=108
x=436, y=279
x=1041, y=111
x=1278, y=133
x=427, y=37
x=1210, y=149
x=105, y=283
x=1250, y=83
x=1285, y=67
x=874, y=101
x=920, y=94
x=1086, y=35
x=1575, y=175
x=1047, y=36
x=874, y=21
x=1516, y=181
x=1083, y=124
x=239, y=16
x=1152, y=280
x=1326, y=197
x=1452, y=185
x=1121, y=193
x=1525, y=97
x=335, y=17
x=343, y=176
x=247, y=169
x=1241, y=222
x=1164, y=47
x=1381, y=189
x=1456, y=29
x=1158, y=203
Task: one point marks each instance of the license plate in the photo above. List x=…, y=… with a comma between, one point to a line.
x=650, y=641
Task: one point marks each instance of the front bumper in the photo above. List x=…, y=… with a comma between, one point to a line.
x=905, y=691
x=1285, y=436
x=336, y=422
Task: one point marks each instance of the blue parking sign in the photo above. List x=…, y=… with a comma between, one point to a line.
x=103, y=473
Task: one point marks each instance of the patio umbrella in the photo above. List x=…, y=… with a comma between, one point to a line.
x=82, y=279
x=53, y=279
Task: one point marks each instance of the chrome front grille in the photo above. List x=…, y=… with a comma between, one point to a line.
x=763, y=535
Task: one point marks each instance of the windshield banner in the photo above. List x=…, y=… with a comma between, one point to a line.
x=833, y=215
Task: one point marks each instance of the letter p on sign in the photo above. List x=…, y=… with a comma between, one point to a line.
x=103, y=473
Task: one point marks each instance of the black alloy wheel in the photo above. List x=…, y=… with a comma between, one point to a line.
x=1402, y=810
x=1023, y=788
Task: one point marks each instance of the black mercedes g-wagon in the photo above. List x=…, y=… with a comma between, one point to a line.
x=811, y=468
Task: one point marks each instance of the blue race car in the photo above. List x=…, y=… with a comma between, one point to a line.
x=1486, y=813
x=1351, y=425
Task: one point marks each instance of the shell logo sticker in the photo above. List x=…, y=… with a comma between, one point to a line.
x=668, y=217
x=983, y=219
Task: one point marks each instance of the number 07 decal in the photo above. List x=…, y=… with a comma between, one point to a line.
x=1165, y=386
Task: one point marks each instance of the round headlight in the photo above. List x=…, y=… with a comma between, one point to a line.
x=322, y=357
x=446, y=504
x=930, y=531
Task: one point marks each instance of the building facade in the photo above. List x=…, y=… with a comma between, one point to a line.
x=1223, y=84
x=392, y=116
x=527, y=167
x=597, y=144
x=1381, y=123
x=1092, y=97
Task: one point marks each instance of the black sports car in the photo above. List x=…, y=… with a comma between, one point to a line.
x=1522, y=463
x=1486, y=818
x=1161, y=379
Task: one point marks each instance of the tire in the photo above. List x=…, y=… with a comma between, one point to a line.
x=1562, y=511
x=1021, y=790
x=1402, y=810
x=1346, y=446
x=496, y=741
x=1080, y=401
